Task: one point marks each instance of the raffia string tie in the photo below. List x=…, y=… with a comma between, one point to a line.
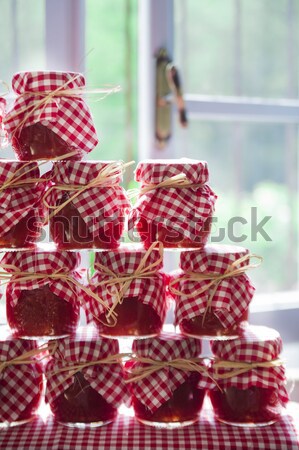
x=151, y=366
x=108, y=177
x=118, y=285
x=214, y=279
x=26, y=358
x=237, y=368
x=179, y=181
x=47, y=96
x=18, y=276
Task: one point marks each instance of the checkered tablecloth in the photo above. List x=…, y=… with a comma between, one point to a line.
x=127, y=433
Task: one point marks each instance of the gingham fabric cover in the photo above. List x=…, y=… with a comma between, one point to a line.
x=19, y=384
x=257, y=344
x=68, y=117
x=46, y=263
x=17, y=202
x=97, y=206
x=125, y=261
x=233, y=294
x=156, y=389
x=184, y=210
x=86, y=346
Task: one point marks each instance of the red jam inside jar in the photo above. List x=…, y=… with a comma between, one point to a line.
x=39, y=142
x=212, y=326
x=254, y=405
x=80, y=403
x=183, y=407
x=171, y=238
x=39, y=312
x=24, y=234
x=133, y=319
x=69, y=231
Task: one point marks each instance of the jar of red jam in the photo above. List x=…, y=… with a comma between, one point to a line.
x=212, y=292
x=165, y=379
x=42, y=294
x=132, y=286
x=85, y=382
x=250, y=378
x=49, y=117
x=175, y=205
x=21, y=208
x=87, y=205
x=21, y=384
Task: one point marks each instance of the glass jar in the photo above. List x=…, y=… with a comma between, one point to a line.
x=19, y=400
x=165, y=392
x=175, y=205
x=41, y=301
x=250, y=377
x=212, y=293
x=49, y=117
x=131, y=282
x=87, y=205
x=90, y=396
x=21, y=208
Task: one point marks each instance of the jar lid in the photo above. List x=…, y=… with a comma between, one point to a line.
x=154, y=171
x=212, y=258
x=41, y=262
x=126, y=260
x=85, y=345
x=25, y=171
x=167, y=346
x=84, y=172
x=257, y=343
x=40, y=81
x=2, y=107
x=11, y=347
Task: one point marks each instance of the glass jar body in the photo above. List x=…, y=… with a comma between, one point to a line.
x=171, y=237
x=211, y=327
x=36, y=142
x=133, y=319
x=39, y=312
x=69, y=231
x=180, y=410
x=25, y=233
x=82, y=406
x=254, y=406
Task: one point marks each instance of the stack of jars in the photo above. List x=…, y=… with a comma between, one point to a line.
x=164, y=377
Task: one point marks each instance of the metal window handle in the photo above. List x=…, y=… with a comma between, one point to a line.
x=168, y=89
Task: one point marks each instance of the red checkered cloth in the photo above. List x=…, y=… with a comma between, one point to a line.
x=67, y=116
x=17, y=202
x=20, y=384
x=157, y=388
x=125, y=261
x=99, y=205
x=257, y=344
x=233, y=294
x=125, y=433
x=183, y=210
x=48, y=263
x=85, y=346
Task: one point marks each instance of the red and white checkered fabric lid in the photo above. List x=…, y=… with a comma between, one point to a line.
x=20, y=384
x=158, y=388
x=186, y=209
x=86, y=346
x=17, y=202
x=99, y=205
x=48, y=263
x=233, y=294
x=67, y=116
x=257, y=344
x=122, y=262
